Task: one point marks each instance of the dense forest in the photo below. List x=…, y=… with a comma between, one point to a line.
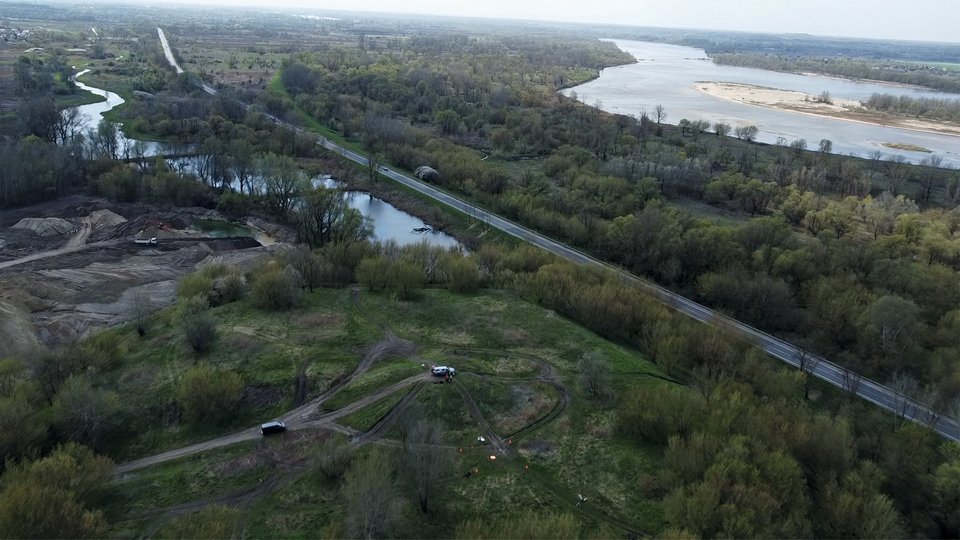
x=854, y=258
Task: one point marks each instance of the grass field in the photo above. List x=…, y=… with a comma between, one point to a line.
x=505, y=341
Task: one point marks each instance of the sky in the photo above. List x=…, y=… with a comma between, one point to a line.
x=920, y=20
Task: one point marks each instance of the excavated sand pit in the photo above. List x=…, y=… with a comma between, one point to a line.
x=65, y=279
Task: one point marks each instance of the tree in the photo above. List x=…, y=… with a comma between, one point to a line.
x=404, y=280
x=448, y=121
x=930, y=176
x=462, y=274
x=322, y=215
x=892, y=322
x=22, y=427
x=370, y=494
x=659, y=114
x=307, y=264
x=426, y=463
x=684, y=126
x=207, y=395
x=594, y=369
x=747, y=133
x=85, y=414
x=334, y=456
x=141, y=309
x=39, y=117
x=374, y=162
x=277, y=288
x=808, y=366
x=826, y=146
x=198, y=326
x=721, y=129
x=697, y=127
x=283, y=182
x=53, y=497
x=905, y=391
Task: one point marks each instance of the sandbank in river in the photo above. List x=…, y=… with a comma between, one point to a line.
x=802, y=103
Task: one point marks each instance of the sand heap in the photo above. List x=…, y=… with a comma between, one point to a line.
x=106, y=218
x=45, y=226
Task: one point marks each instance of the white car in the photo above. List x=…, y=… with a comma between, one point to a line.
x=442, y=371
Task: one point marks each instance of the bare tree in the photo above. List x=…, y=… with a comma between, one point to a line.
x=141, y=308
x=370, y=493
x=426, y=464
x=659, y=113
x=930, y=176
x=897, y=173
x=826, y=146
x=851, y=381
x=808, y=365
x=374, y=162
x=905, y=392
x=747, y=133
x=721, y=129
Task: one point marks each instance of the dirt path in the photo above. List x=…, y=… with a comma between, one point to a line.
x=303, y=417
x=80, y=238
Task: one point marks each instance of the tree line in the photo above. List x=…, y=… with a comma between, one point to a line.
x=914, y=74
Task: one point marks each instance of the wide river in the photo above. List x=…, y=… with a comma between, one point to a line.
x=665, y=75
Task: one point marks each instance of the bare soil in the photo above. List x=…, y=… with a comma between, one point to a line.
x=55, y=289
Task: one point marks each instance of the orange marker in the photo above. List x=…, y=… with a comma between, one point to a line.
x=526, y=467
x=476, y=470
x=461, y=449
x=510, y=441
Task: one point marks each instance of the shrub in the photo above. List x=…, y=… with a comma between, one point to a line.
x=404, y=280
x=278, y=289
x=373, y=272
x=196, y=284
x=461, y=274
x=208, y=395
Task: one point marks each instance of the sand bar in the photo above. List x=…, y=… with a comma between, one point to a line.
x=802, y=103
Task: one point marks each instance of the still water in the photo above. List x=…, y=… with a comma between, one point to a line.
x=388, y=222
x=665, y=75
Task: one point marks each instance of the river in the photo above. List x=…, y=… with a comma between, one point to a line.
x=665, y=75
x=388, y=221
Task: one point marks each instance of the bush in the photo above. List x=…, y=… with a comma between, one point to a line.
x=278, y=289
x=196, y=323
x=373, y=272
x=460, y=273
x=196, y=284
x=209, y=396
x=405, y=280
x=230, y=287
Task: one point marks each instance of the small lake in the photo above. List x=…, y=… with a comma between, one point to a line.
x=665, y=75
x=392, y=224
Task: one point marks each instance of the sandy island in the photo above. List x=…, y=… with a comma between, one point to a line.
x=799, y=102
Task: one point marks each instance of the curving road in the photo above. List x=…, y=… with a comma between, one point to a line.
x=869, y=390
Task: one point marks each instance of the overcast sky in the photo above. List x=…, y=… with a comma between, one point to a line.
x=923, y=20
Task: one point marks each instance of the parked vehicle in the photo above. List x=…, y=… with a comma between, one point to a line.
x=145, y=241
x=443, y=371
x=271, y=428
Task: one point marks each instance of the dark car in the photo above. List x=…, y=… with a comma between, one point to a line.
x=272, y=427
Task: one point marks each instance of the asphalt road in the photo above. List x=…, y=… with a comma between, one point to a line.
x=869, y=390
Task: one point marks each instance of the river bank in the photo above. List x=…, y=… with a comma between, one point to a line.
x=803, y=103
